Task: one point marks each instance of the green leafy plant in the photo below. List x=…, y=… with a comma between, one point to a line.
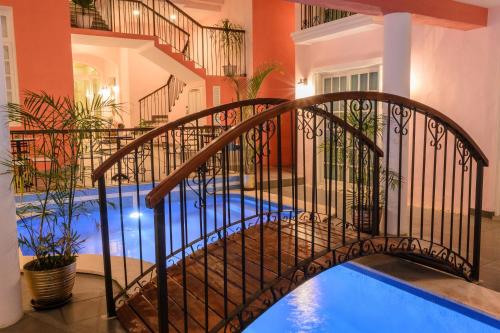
x=356, y=195
x=248, y=88
x=230, y=38
x=49, y=220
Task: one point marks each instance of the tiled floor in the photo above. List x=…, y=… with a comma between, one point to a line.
x=84, y=314
x=489, y=275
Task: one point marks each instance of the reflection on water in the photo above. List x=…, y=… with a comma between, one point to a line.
x=344, y=299
x=305, y=309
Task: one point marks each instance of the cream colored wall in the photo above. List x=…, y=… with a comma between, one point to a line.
x=456, y=72
x=136, y=75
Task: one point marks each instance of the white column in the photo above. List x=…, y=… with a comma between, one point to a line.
x=10, y=278
x=396, y=80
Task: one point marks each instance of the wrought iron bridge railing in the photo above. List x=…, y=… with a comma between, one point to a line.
x=289, y=192
x=311, y=16
x=219, y=51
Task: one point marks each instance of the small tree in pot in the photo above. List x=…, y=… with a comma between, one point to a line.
x=230, y=37
x=48, y=221
x=83, y=12
x=359, y=194
x=248, y=88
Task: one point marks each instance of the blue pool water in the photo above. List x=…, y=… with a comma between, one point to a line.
x=349, y=299
x=135, y=214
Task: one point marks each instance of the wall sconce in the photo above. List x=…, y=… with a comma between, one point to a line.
x=302, y=81
x=136, y=12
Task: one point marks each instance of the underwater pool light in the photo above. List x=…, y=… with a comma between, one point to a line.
x=135, y=215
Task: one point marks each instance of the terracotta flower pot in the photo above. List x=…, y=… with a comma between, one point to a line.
x=84, y=20
x=50, y=288
x=365, y=218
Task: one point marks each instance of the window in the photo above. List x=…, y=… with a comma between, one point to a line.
x=9, y=53
x=365, y=79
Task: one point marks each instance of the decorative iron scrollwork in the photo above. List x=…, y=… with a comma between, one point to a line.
x=402, y=116
x=437, y=131
x=464, y=153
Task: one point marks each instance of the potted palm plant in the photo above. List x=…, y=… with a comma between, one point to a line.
x=359, y=192
x=48, y=221
x=248, y=88
x=230, y=38
x=83, y=12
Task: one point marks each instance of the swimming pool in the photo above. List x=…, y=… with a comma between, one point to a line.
x=137, y=217
x=350, y=298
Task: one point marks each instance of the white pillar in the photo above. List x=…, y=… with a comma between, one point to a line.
x=396, y=80
x=10, y=279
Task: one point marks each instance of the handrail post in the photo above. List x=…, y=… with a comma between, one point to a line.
x=376, y=192
x=154, y=22
x=106, y=256
x=477, y=221
x=161, y=267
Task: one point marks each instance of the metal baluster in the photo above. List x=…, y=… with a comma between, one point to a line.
x=224, y=226
x=161, y=267
x=138, y=198
x=476, y=256
x=280, y=191
x=453, y=192
x=260, y=160
x=106, y=256
x=444, y=184
x=424, y=149
x=242, y=215
x=182, y=204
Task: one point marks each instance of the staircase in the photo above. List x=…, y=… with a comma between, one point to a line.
x=200, y=48
x=155, y=106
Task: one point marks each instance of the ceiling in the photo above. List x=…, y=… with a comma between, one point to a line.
x=211, y=5
x=482, y=3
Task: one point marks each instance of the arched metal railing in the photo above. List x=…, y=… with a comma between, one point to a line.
x=317, y=182
x=135, y=168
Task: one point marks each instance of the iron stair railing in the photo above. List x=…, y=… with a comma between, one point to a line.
x=206, y=46
x=155, y=106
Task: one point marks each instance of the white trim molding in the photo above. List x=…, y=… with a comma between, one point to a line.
x=335, y=29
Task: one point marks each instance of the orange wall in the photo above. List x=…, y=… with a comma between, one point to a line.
x=227, y=94
x=273, y=22
x=43, y=45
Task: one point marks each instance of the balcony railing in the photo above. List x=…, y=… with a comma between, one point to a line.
x=30, y=149
x=311, y=16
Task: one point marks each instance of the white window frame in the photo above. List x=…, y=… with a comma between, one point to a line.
x=345, y=71
x=10, y=43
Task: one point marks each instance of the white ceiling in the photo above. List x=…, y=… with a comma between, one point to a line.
x=211, y=5
x=482, y=3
